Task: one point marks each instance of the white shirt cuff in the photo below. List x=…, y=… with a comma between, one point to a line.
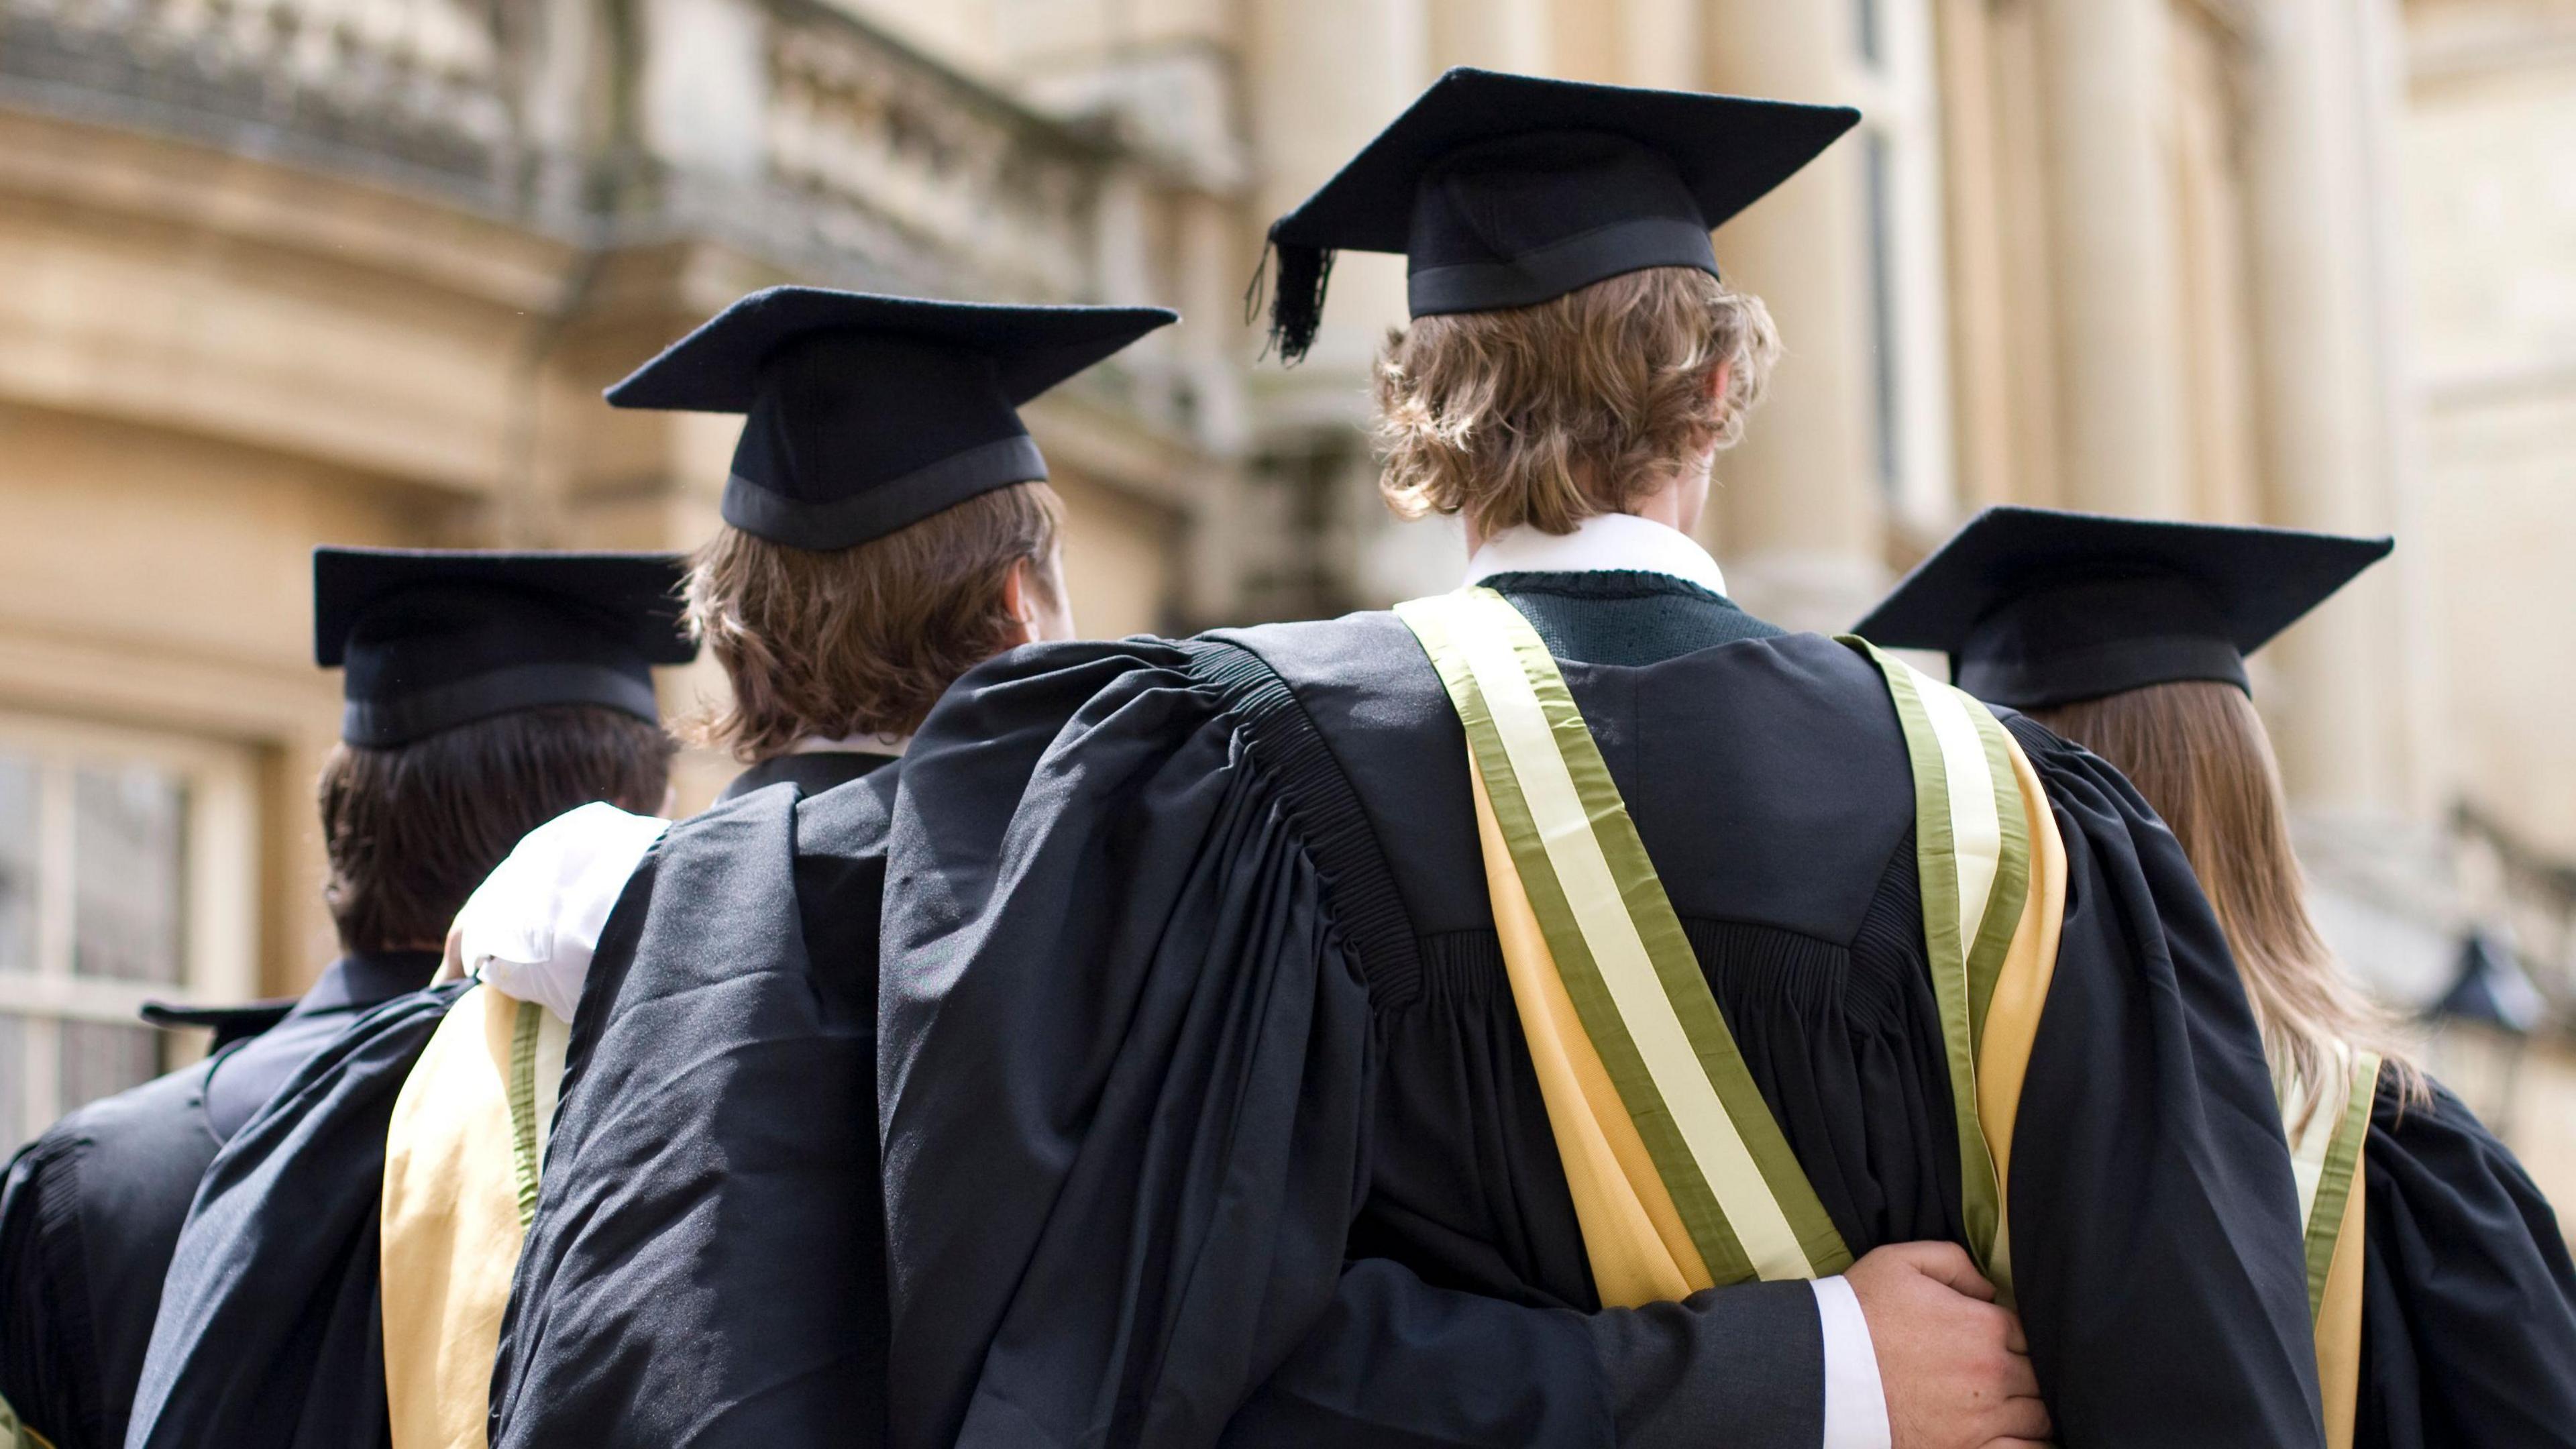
x=530, y=928
x=1855, y=1401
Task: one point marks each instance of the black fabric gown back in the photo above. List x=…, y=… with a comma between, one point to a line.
x=91, y=1210
x=1191, y=940
x=707, y=1262
x=271, y=1323
x=2468, y=1320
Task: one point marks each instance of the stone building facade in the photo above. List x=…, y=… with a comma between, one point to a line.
x=293, y=271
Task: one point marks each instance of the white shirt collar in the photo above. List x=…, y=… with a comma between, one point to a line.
x=1602, y=542
x=893, y=745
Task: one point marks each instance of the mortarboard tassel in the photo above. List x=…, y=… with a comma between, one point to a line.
x=1297, y=301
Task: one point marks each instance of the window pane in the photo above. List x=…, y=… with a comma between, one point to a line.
x=14, y=1127
x=100, y=1059
x=17, y=867
x=129, y=832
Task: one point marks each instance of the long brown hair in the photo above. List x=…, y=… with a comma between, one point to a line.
x=2199, y=753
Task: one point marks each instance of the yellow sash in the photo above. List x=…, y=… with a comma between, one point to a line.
x=15, y=1434
x=2329, y=1162
x=1680, y=1176
x=461, y=1162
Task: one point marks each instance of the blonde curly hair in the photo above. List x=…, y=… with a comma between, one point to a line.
x=1547, y=415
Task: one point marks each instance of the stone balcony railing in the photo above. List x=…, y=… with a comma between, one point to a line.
x=412, y=86
x=785, y=127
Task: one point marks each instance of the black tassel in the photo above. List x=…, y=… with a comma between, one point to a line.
x=1297, y=300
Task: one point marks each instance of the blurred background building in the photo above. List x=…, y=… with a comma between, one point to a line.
x=282, y=272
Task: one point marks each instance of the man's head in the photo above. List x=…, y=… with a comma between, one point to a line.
x=410, y=829
x=1572, y=349
x=1592, y=402
x=485, y=694
x=862, y=640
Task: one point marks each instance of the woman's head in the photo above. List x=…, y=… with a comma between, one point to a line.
x=2199, y=754
x=863, y=640
x=1586, y=404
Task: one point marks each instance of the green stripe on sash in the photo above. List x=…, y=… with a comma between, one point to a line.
x=1972, y=853
x=1620, y=951
x=524, y=1027
x=2334, y=1181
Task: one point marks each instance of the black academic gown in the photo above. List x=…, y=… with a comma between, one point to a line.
x=706, y=1265
x=1192, y=997
x=271, y=1328
x=91, y=1209
x=2469, y=1301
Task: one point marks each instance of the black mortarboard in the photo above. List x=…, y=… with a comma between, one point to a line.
x=868, y=413
x=2491, y=989
x=2038, y=607
x=1509, y=190
x=431, y=638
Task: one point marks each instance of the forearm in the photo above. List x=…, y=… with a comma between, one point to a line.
x=1394, y=1357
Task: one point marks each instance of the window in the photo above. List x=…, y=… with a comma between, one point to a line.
x=127, y=873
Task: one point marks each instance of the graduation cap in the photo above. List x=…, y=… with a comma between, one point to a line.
x=868, y=413
x=1510, y=190
x=431, y=638
x=2038, y=607
x=229, y=1023
x=2491, y=989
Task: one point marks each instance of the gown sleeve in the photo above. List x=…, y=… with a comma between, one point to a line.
x=703, y=1267
x=271, y=1329
x=2469, y=1302
x=44, y=1295
x=1396, y=1361
x=1124, y=1074
x=2155, y=1232
x=1123, y=1063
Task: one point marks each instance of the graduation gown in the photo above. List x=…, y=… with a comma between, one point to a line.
x=706, y=1264
x=271, y=1329
x=2468, y=1318
x=90, y=1212
x=1192, y=997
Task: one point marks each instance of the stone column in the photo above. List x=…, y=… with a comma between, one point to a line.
x=1797, y=517
x=1326, y=76
x=2337, y=683
x=1495, y=34
x=2121, y=425
x=1659, y=43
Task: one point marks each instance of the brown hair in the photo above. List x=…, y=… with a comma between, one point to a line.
x=412, y=829
x=862, y=640
x=2198, y=751
x=1547, y=415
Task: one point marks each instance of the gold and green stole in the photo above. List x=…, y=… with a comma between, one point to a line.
x=16, y=1434
x=461, y=1162
x=2326, y=1159
x=1680, y=1176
